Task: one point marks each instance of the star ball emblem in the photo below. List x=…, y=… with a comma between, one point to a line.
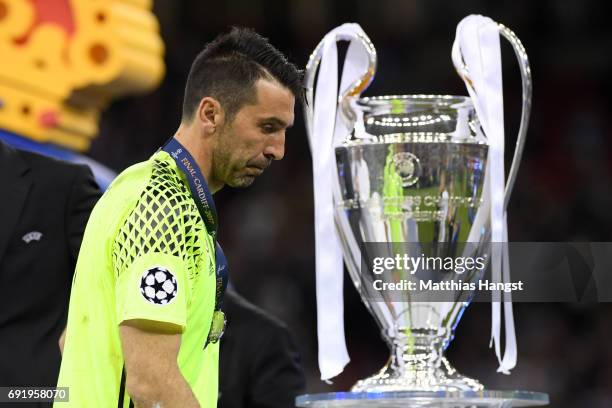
x=408, y=167
x=158, y=286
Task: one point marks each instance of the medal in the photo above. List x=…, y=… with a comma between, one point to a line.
x=217, y=327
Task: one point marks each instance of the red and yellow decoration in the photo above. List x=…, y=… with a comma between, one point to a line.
x=62, y=61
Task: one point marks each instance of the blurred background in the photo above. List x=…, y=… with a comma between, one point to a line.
x=563, y=192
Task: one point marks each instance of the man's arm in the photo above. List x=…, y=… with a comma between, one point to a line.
x=153, y=377
x=84, y=194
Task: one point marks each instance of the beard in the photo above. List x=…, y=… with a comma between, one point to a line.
x=233, y=176
x=241, y=181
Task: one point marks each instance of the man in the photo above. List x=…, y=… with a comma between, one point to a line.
x=43, y=212
x=259, y=362
x=144, y=315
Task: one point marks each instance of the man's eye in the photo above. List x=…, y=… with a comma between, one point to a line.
x=268, y=128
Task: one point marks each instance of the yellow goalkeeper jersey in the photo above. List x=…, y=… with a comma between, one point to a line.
x=146, y=254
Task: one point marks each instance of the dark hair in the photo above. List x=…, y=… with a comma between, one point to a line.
x=228, y=67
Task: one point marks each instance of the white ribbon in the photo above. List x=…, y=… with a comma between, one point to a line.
x=327, y=130
x=476, y=55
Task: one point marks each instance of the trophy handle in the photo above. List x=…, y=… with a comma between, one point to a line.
x=353, y=91
x=523, y=61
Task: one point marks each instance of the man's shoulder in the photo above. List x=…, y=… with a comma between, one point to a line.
x=155, y=201
x=156, y=170
x=122, y=195
x=54, y=180
x=50, y=167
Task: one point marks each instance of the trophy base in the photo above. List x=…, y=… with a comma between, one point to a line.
x=407, y=399
x=421, y=377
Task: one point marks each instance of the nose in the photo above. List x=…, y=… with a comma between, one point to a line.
x=275, y=149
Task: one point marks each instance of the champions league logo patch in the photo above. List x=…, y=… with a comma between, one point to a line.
x=158, y=285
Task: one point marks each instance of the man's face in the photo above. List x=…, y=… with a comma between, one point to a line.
x=256, y=135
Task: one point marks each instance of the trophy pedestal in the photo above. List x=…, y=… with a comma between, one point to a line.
x=420, y=367
x=409, y=399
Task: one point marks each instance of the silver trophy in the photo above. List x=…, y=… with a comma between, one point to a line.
x=411, y=170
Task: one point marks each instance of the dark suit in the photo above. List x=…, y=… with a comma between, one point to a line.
x=259, y=365
x=44, y=207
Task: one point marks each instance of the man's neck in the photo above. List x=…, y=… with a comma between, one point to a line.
x=201, y=151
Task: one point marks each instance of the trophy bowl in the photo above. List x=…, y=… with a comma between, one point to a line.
x=411, y=178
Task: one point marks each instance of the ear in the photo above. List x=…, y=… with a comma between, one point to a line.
x=210, y=114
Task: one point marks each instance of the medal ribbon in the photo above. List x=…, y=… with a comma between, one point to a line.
x=206, y=206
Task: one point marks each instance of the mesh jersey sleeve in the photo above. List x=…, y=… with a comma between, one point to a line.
x=156, y=251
